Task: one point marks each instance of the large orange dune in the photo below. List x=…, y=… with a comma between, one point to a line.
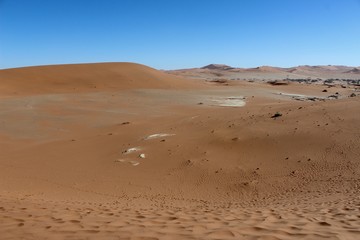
x=124, y=151
x=85, y=77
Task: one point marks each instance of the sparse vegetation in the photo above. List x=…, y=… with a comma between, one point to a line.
x=276, y=115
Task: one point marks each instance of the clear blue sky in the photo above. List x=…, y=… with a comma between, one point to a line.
x=171, y=34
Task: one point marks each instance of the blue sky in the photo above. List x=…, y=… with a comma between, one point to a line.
x=172, y=34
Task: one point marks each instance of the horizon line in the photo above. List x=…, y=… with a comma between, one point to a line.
x=162, y=69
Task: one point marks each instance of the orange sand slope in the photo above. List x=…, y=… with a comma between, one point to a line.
x=146, y=155
x=84, y=77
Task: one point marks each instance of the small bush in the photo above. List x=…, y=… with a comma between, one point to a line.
x=276, y=115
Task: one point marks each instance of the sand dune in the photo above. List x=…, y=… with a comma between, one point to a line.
x=148, y=156
x=85, y=78
x=108, y=221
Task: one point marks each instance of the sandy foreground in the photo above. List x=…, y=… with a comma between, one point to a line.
x=122, y=151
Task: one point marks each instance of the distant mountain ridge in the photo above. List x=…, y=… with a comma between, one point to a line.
x=345, y=69
x=222, y=71
x=354, y=70
x=217, y=67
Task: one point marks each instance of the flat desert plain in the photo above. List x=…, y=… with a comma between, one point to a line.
x=124, y=151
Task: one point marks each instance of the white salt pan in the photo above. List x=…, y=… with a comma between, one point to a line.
x=230, y=102
x=158, y=135
x=131, y=150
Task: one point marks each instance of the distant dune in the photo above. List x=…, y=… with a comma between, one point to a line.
x=85, y=77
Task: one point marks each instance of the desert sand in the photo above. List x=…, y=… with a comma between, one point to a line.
x=124, y=151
